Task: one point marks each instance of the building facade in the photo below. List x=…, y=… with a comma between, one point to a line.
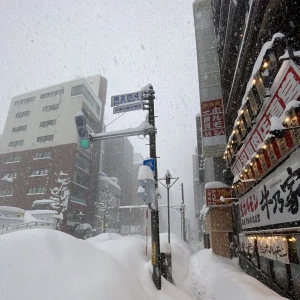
x=40, y=140
x=118, y=162
x=257, y=47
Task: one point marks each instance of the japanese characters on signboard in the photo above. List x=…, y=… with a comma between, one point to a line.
x=213, y=196
x=276, y=199
x=213, y=128
x=126, y=98
x=288, y=89
x=272, y=247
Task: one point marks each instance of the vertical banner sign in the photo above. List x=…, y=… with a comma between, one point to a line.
x=213, y=128
x=213, y=195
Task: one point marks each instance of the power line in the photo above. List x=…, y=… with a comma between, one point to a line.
x=114, y=120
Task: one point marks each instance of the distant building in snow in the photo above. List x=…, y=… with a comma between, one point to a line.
x=40, y=139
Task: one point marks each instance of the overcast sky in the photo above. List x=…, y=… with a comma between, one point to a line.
x=131, y=43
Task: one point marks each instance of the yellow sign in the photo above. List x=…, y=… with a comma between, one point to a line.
x=154, y=260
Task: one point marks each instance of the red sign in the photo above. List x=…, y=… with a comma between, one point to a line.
x=212, y=118
x=288, y=89
x=213, y=196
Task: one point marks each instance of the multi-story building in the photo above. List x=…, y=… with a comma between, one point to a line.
x=40, y=140
x=109, y=197
x=258, y=45
x=118, y=162
x=211, y=138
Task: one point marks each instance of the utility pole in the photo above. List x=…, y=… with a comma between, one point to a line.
x=183, y=230
x=156, y=275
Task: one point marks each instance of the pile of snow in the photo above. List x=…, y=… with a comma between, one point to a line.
x=54, y=265
x=29, y=218
x=276, y=124
x=225, y=280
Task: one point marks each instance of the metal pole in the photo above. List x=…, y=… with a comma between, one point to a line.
x=156, y=275
x=168, y=189
x=183, y=214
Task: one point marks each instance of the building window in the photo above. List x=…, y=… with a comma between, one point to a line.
x=50, y=107
x=23, y=114
x=52, y=94
x=82, y=90
x=45, y=139
x=9, y=175
x=39, y=155
x=48, y=123
x=15, y=144
x=13, y=158
x=6, y=192
x=81, y=178
x=36, y=190
x=19, y=128
x=82, y=162
x=78, y=194
x=24, y=101
x=39, y=172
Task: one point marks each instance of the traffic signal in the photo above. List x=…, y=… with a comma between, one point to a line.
x=83, y=134
x=278, y=133
x=146, y=190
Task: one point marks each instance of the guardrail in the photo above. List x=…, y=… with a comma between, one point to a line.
x=36, y=224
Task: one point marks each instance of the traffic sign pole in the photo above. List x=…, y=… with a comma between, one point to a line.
x=156, y=274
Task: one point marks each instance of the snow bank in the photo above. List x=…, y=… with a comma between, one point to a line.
x=54, y=265
x=227, y=281
x=101, y=238
x=29, y=218
x=130, y=252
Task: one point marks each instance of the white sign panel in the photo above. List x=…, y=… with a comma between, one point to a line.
x=275, y=199
x=128, y=107
x=126, y=98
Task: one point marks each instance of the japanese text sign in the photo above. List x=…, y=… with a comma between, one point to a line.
x=274, y=200
x=213, y=128
x=213, y=196
x=126, y=98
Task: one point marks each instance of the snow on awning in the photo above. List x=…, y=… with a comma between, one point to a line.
x=215, y=185
x=236, y=178
x=43, y=201
x=276, y=124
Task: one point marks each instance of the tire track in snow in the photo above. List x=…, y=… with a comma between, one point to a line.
x=197, y=280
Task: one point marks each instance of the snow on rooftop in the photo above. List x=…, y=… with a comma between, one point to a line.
x=43, y=201
x=12, y=209
x=215, y=185
x=145, y=173
x=42, y=211
x=111, y=181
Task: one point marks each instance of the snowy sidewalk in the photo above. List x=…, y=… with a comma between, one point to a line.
x=197, y=280
x=216, y=278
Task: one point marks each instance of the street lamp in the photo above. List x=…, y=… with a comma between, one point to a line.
x=168, y=185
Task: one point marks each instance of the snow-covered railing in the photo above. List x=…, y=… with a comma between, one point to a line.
x=30, y=225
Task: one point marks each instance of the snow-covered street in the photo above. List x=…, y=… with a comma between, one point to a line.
x=47, y=264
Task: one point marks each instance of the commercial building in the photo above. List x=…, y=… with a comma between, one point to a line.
x=40, y=140
x=211, y=137
x=258, y=45
x=118, y=162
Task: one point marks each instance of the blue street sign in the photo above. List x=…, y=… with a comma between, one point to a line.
x=150, y=163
